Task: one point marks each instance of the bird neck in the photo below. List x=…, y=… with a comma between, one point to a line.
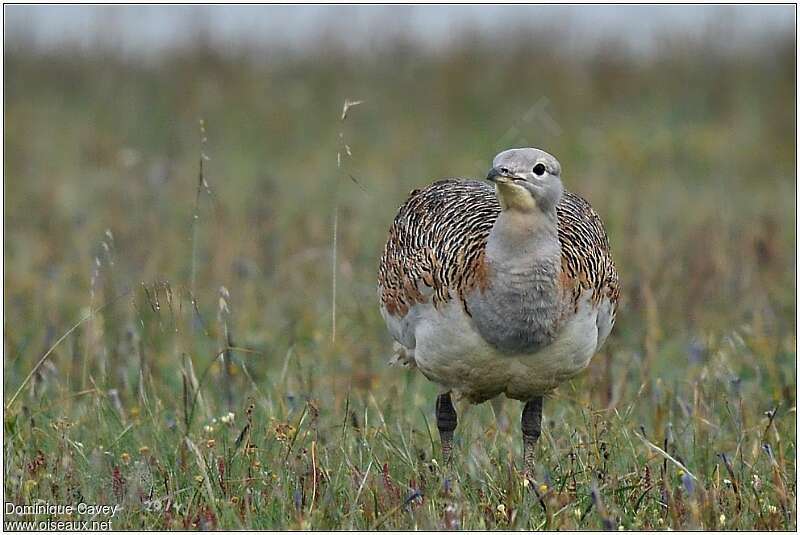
x=519, y=310
x=519, y=237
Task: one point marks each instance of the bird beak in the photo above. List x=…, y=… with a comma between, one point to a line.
x=496, y=176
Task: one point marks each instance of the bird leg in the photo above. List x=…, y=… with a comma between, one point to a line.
x=446, y=421
x=531, y=429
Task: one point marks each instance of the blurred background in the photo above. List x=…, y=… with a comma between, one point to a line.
x=677, y=123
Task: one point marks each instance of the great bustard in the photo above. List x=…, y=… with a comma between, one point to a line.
x=508, y=289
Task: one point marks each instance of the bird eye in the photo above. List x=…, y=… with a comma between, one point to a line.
x=539, y=169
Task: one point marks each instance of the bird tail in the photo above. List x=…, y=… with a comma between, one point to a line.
x=402, y=356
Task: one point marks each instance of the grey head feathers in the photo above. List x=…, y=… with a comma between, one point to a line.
x=527, y=179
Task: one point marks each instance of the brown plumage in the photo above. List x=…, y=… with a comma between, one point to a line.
x=438, y=239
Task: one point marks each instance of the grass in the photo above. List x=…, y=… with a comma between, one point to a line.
x=199, y=384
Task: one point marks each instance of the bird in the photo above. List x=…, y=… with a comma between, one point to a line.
x=498, y=287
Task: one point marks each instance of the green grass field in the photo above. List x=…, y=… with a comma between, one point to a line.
x=156, y=304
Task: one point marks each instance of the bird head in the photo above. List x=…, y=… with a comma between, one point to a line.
x=526, y=180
